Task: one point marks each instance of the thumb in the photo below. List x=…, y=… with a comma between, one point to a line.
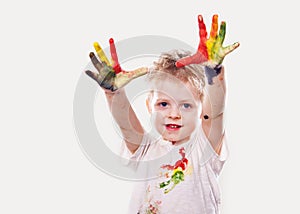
x=231, y=48
x=138, y=72
x=123, y=78
x=197, y=58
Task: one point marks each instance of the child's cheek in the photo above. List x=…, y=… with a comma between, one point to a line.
x=191, y=116
x=156, y=117
x=160, y=110
x=157, y=122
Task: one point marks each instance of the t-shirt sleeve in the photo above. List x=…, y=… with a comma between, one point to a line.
x=140, y=153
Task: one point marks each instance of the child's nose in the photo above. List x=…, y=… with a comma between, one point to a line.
x=175, y=113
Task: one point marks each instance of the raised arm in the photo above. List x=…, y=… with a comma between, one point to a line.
x=211, y=54
x=112, y=78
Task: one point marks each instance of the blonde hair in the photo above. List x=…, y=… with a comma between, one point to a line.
x=165, y=66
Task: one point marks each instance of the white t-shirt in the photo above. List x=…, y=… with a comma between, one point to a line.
x=178, y=179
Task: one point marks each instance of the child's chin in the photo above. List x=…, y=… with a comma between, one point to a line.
x=176, y=140
x=171, y=139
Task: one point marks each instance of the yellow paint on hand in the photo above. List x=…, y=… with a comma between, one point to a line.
x=101, y=54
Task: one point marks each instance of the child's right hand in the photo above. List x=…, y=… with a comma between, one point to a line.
x=110, y=75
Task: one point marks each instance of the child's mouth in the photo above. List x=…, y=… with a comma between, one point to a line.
x=173, y=127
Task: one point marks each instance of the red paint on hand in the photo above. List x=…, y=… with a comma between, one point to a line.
x=115, y=62
x=194, y=59
x=202, y=53
x=202, y=48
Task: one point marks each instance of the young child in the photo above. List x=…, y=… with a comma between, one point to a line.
x=186, y=103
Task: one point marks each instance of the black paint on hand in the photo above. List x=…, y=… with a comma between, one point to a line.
x=211, y=73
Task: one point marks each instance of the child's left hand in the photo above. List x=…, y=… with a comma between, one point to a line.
x=210, y=52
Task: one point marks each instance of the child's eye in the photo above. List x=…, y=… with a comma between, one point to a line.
x=186, y=105
x=163, y=104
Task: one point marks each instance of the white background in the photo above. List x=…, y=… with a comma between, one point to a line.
x=44, y=49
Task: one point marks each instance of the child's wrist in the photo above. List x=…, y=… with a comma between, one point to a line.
x=112, y=93
x=211, y=72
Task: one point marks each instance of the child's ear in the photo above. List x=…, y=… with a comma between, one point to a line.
x=148, y=104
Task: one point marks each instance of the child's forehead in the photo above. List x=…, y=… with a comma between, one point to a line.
x=174, y=89
x=170, y=80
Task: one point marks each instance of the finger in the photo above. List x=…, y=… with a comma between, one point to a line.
x=222, y=33
x=210, y=44
x=203, y=37
x=214, y=27
x=114, y=56
x=194, y=59
x=95, y=62
x=101, y=53
x=92, y=75
x=231, y=48
x=202, y=29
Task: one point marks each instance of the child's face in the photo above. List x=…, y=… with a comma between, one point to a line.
x=175, y=110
